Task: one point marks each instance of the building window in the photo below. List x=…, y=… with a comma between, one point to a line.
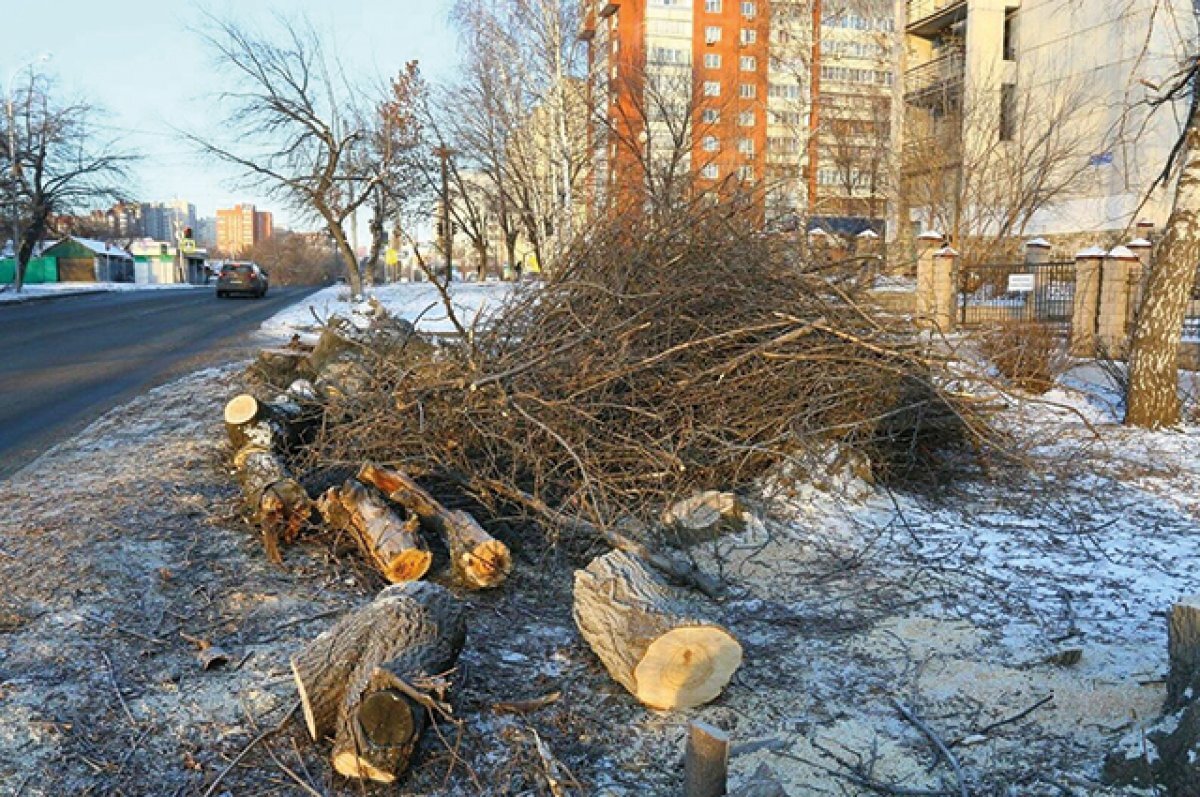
x=712, y=34
x=746, y=119
x=1008, y=112
x=748, y=9
x=712, y=88
x=712, y=61
x=710, y=171
x=712, y=6
x=1010, y=36
x=711, y=116
x=749, y=36
x=748, y=63
x=746, y=173
x=711, y=144
x=748, y=91
x=746, y=147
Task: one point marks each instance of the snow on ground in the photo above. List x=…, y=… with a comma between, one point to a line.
x=418, y=302
x=1041, y=589
x=67, y=288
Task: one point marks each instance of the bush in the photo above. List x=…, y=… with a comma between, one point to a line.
x=1028, y=354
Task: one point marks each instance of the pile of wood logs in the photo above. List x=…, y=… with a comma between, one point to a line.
x=371, y=680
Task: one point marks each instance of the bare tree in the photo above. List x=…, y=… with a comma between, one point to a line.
x=297, y=124
x=54, y=163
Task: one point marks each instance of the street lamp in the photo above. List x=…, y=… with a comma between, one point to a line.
x=15, y=164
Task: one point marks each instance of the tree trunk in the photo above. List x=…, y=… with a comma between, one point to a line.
x=389, y=542
x=349, y=257
x=1153, y=399
x=260, y=433
x=478, y=559
x=706, y=761
x=1183, y=653
x=373, y=675
x=648, y=638
x=279, y=368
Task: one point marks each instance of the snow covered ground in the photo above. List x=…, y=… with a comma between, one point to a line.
x=67, y=288
x=418, y=302
x=1020, y=615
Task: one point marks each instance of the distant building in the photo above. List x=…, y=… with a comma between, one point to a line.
x=241, y=227
x=159, y=262
x=162, y=221
x=89, y=260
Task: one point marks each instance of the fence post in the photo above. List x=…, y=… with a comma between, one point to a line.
x=1112, y=329
x=1087, y=301
x=1037, y=251
x=927, y=243
x=944, y=271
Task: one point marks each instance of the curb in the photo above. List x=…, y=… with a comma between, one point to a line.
x=51, y=297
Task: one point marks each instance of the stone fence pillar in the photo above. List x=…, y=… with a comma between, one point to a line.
x=1087, y=301
x=945, y=269
x=927, y=244
x=1116, y=280
x=1037, y=251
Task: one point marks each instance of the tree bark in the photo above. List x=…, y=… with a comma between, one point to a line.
x=391, y=543
x=395, y=650
x=648, y=638
x=479, y=560
x=1183, y=653
x=1153, y=400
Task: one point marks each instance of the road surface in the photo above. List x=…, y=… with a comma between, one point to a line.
x=64, y=363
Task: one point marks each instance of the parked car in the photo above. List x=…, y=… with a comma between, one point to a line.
x=242, y=277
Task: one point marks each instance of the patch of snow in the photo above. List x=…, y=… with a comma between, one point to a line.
x=417, y=302
x=67, y=288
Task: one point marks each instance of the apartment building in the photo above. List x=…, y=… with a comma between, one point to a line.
x=241, y=227
x=717, y=97
x=1030, y=117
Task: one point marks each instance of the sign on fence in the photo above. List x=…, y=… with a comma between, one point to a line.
x=1020, y=283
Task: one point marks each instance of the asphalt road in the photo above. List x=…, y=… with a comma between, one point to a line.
x=64, y=363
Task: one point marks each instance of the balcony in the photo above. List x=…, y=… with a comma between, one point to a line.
x=927, y=18
x=937, y=83
x=608, y=9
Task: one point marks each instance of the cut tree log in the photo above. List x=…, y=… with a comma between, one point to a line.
x=280, y=367
x=1183, y=653
x=649, y=639
x=271, y=426
x=277, y=502
x=479, y=560
x=401, y=669
x=391, y=543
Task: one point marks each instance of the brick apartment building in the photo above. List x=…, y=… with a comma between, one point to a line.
x=241, y=227
x=732, y=96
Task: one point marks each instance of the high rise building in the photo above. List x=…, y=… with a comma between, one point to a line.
x=241, y=227
x=1030, y=118
x=162, y=221
x=732, y=96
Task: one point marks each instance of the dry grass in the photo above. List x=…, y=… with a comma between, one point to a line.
x=1028, y=354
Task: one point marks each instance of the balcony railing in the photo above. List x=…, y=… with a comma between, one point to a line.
x=938, y=81
x=928, y=16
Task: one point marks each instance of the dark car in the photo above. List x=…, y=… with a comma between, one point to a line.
x=245, y=278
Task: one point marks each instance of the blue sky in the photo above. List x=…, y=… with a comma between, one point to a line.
x=142, y=62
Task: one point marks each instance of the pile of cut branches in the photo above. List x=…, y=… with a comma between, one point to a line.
x=662, y=358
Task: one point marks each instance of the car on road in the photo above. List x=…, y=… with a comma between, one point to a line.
x=242, y=277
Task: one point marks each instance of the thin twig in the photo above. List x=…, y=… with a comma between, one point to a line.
x=937, y=742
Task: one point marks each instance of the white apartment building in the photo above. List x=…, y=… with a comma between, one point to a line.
x=1031, y=117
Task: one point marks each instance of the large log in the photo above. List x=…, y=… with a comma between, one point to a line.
x=391, y=543
x=261, y=434
x=648, y=638
x=277, y=502
x=280, y=367
x=417, y=634
x=478, y=559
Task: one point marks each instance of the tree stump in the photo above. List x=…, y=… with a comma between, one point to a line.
x=372, y=677
x=648, y=638
x=281, y=367
x=706, y=761
x=391, y=543
x=479, y=560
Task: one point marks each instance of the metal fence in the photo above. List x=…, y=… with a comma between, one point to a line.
x=1042, y=292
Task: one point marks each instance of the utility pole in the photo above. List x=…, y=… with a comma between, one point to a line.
x=443, y=152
